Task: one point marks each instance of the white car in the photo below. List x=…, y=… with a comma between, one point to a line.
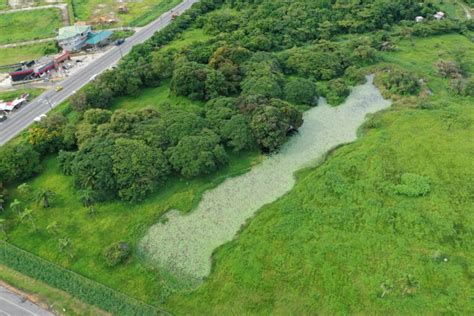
x=39, y=118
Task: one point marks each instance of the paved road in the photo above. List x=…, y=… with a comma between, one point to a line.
x=14, y=305
x=22, y=118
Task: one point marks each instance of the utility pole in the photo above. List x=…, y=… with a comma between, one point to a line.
x=49, y=102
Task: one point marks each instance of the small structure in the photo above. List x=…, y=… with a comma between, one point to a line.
x=99, y=39
x=37, y=68
x=419, y=19
x=123, y=9
x=439, y=16
x=73, y=38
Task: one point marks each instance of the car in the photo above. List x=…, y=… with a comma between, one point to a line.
x=3, y=117
x=119, y=42
x=39, y=118
x=58, y=88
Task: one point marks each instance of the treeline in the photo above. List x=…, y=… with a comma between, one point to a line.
x=266, y=61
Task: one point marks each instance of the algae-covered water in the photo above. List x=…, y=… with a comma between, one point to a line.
x=184, y=244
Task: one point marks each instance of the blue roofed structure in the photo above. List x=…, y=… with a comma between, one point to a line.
x=99, y=38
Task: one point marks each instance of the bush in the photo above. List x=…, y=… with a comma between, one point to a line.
x=413, y=185
x=401, y=82
x=116, y=253
x=18, y=162
x=301, y=91
x=337, y=91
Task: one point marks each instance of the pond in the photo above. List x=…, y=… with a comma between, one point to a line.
x=183, y=245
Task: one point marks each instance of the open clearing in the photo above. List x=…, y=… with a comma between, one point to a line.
x=184, y=244
x=29, y=25
x=139, y=12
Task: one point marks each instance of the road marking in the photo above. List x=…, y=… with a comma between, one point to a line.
x=20, y=307
x=4, y=313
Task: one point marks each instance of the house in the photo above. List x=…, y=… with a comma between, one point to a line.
x=73, y=38
x=419, y=19
x=99, y=39
x=439, y=15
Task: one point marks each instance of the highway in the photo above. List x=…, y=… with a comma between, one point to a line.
x=22, y=118
x=15, y=305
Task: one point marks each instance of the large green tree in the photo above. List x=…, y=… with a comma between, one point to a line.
x=198, y=154
x=137, y=168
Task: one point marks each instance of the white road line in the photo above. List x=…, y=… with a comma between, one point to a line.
x=4, y=313
x=20, y=307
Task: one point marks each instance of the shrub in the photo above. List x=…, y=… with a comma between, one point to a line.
x=337, y=91
x=413, y=185
x=116, y=253
x=401, y=82
x=301, y=91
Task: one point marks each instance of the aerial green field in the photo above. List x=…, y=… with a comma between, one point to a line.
x=139, y=12
x=17, y=54
x=29, y=25
x=343, y=230
x=141, y=183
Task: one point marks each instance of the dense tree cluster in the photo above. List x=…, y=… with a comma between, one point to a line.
x=265, y=60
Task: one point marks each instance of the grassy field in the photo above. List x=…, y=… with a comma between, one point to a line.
x=139, y=12
x=114, y=221
x=13, y=55
x=29, y=25
x=61, y=303
x=9, y=95
x=342, y=242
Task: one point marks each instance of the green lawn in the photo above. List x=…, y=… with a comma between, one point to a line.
x=10, y=95
x=115, y=221
x=316, y=250
x=29, y=25
x=139, y=12
x=342, y=237
x=13, y=55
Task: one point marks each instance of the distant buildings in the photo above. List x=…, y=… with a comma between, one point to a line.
x=439, y=15
x=74, y=38
x=37, y=68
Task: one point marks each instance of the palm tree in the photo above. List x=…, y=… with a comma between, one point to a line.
x=2, y=228
x=43, y=196
x=52, y=228
x=16, y=206
x=24, y=188
x=27, y=214
x=65, y=245
x=3, y=195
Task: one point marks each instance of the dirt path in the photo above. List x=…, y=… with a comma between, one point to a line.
x=467, y=9
x=44, y=40
x=62, y=7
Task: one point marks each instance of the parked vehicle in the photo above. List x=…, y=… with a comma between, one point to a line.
x=39, y=118
x=3, y=117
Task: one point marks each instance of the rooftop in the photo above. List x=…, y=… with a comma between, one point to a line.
x=70, y=31
x=95, y=38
